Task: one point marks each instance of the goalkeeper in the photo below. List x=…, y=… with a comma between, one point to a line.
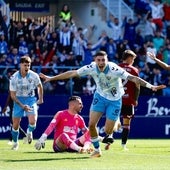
x=66, y=125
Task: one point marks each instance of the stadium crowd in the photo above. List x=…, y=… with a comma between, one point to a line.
x=54, y=50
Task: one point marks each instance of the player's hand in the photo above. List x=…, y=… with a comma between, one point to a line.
x=39, y=144
x=28, y=108
x=151, y=55
x=155, y=88
x=44, y=77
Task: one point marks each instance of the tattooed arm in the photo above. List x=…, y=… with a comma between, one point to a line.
x=144, y=83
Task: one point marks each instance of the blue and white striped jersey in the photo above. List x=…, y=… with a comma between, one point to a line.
x=109, y=83
x=24, y=87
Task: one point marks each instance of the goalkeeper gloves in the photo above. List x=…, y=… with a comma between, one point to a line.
x=41, y=142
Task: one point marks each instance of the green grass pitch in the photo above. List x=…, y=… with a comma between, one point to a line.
x=142, y=155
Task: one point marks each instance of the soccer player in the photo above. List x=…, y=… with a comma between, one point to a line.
x=130, y=98
x=22, y=89
x=107, y=97
x=66, y=124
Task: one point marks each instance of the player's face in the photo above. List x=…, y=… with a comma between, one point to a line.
x=101, y=62
x=130, y=60
x=79, y=105
x=25, y=67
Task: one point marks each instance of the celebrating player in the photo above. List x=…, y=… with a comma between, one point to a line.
x=107, y=98
x=65, y=125
x=22, y=89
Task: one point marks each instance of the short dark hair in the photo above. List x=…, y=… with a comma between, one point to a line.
x=101, y=53
x=25, y=59
x=73, y=98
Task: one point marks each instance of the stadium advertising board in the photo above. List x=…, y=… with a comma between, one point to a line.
x=29, y=6
x=152, y=116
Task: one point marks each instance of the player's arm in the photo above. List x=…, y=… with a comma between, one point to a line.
x=144, y=83
x=15, y=99
x=137, y=92
x=40, y=94
x=159, y=62
x=62, y=76
x=41, y=141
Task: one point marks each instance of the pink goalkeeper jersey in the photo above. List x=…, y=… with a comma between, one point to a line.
x=66, y=123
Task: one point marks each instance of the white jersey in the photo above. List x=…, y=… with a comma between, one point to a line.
x=109, y=83
x=24, y=87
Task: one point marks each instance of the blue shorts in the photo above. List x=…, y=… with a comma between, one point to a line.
x=30, y=101
x=102, y=105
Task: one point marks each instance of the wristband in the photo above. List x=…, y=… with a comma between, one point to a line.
x=149, y=86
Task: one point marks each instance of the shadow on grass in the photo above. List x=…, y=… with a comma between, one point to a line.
x=46, y=159
x=62, y=156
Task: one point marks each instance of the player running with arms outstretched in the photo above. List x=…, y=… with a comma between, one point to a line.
x=108, y=95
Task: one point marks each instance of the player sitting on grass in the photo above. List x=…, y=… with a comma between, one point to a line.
x=65, y=125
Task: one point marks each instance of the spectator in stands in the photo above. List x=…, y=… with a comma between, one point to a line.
x=166, y=9
x=65, y=39
x=90, y=49
x=121, y=47
x=3, y=45
x=22, y=46
x=158, y=40
x=13, y=58
x=51, y=39
x=3, y=74
x=139, y=40
x=147, y=74
x=111, y=49
x=37, y=28
x=4, y=22
x=166, y=91
x=53, y=64
x=19, y=30
x=65, y=14
x=149, y=26
x=105, y=39
x=142, y=6
x=150, y=48
x=116, y=27
x=130, y=30
x=157, y=79
x=157, y=13
x=70, y=60
x=166, y=54
x=166, y=18
x=130, y=3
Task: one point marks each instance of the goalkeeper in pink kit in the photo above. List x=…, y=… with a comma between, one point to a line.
x=66, y=125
